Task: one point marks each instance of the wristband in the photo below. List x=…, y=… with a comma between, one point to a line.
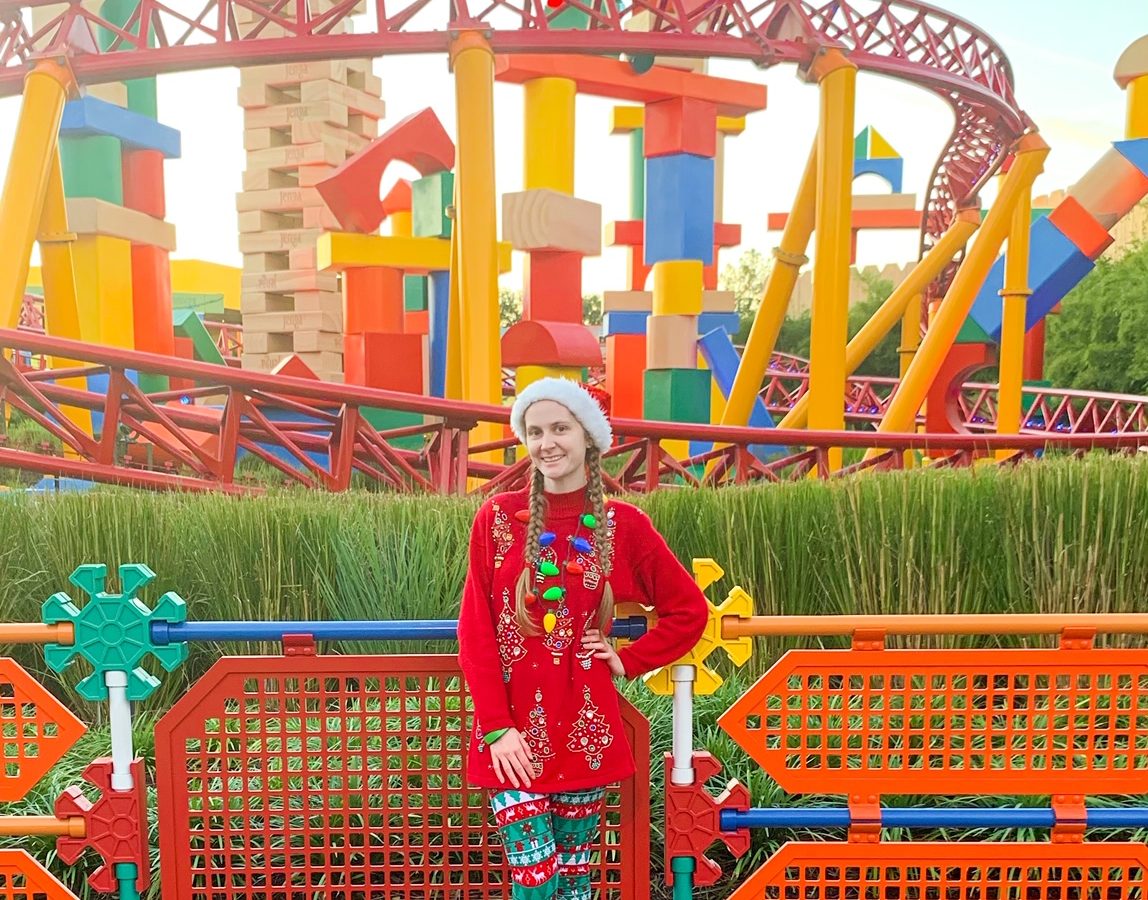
x=495, y=735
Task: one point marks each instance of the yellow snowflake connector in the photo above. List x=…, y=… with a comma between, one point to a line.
x=739, y=650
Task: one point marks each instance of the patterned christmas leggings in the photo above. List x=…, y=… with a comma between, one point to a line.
x=547, y=841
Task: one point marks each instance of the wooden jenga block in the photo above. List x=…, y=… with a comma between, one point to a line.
x=318, y=342
x=282, y=282
x=285, y=199
x=357, y=101
x=302, y=258
x=330, y=303
x=291, y=322
x=346, y=71
x=543, y=219
x=328, y=152
x=320, y=217
x=262, y=302
x=286, y=115
x=322, y=363
x=276, y=241
x=309, y=176
x=269, y=179
x=261, y=220
x=266, y=262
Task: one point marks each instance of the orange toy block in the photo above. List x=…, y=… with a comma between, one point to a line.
x=680, y=125
x=543, y=219
x=394, y=362
x=373, y=300
x=151, y=300
x=550, y=344
x=553, y=287
x=418, y=140
x=182, y=348
x=625, y=363
x=143, y=181
x=416, y=321
x=672, y=342
x=616, y=79
x=1080, y=226
x=398, y=198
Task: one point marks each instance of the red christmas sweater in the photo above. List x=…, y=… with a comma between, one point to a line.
x=557, y=695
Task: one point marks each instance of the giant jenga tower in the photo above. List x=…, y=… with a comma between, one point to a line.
x=301, y=120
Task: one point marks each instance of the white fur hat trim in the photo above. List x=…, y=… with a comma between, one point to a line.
x=571, y=395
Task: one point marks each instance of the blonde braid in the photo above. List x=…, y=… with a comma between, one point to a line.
x=603, y=539
x=530, y=554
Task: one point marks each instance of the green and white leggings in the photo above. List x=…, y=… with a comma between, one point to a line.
x=547, y=840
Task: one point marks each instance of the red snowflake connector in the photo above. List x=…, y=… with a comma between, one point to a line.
x=693, y=819
x=115, y=825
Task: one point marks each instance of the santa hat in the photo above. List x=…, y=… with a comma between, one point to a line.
x=575, y=398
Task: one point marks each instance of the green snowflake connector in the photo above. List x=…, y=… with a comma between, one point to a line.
x=113, y=631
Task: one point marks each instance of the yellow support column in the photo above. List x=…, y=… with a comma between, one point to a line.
x=1131, y=74
x=1014, y=296
x=549, y=135
x=789, y=257
x=45, y=90
x=910, y=341
x=455, y=363
x=829, y=328
x=475, y=218
x=1031, y=151
x=893, y=309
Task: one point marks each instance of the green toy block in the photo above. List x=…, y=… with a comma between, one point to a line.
x=93, y=167
x=207, y=304
x=637, y=174
x=384, y=419
x=142, y=97
x=972, y=333
x=188, y=324
x=414, y=293
x=676, y=395
x=113, y=631
x=153, y=382
x=430, y=196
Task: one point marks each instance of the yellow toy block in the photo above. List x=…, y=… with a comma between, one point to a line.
x=113, y=92
x=543, y=219
x=89, y=216
x=739, y=650
x=678, y=288
x=627, y=301
x=197, y=276
x=104, y=281
x=340, y=250
x=671, y=342
x=527, y=375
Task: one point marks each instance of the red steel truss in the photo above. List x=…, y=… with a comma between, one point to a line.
x=904, y=39
x=318, y=435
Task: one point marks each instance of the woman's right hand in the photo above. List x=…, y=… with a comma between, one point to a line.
x=511, y=758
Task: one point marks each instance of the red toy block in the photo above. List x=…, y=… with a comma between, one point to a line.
x=680, y=125
x=693, y=819
x=726, y=234
x=151, y=300
x=372, y=300
x=553, y=287
x=393, y=362
x=534, y=343
x=942, y=410
x=183, y=348
x=115, y=826
x=398, y=199
x=351, y=191
x=1080, y=226
x=294, y=367
x=416, y=321
x=142, y=172
x=625, y=362
x=625, y=233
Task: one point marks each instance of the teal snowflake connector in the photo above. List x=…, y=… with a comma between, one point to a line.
x=113, y=631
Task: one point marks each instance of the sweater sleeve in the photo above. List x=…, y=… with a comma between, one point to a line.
x=477, y=637
x=666, y=586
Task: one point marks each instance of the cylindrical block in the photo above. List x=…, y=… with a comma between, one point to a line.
x=151, y=300
x=678, y=286
x=143, y=182
x=549, y=134
x=373, y=300
x=672, y=342
x=93, y=168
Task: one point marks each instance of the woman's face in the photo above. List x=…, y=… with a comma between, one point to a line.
x=557, y=444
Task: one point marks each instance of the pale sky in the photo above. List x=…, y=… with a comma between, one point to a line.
x=1062, y=54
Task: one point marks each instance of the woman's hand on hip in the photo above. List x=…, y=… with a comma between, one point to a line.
x=512, y=759
x=592, y=639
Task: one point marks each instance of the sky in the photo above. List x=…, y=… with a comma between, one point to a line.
x=1062, y=54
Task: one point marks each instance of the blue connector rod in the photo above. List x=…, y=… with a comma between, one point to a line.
x=162, y=633
x=838, y=817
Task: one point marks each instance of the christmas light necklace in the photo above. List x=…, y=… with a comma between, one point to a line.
x=543, y=568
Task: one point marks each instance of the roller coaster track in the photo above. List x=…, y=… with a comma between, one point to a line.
x=319, y=435
x=907, y=40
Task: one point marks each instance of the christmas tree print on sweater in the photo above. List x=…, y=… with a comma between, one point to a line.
x=537, y=737
x=591, y=733
x=511, y=643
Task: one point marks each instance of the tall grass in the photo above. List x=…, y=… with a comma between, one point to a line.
x=1055, y=536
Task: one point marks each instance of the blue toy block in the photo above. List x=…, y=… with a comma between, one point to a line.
x=1135, y=151
x=721, y=356
x=1056, y=265
x=627, y=322
x=439, y=318
x=729, y=322
x=90, y=116
x=679, y=208
x=891, y=169
x=98, y=384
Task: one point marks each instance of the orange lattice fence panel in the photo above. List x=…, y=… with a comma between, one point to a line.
x=343, y=778
x=22, y=878
x=950, y=722
x=36, y=730
x=950, y=871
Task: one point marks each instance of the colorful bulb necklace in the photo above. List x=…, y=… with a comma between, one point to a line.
x=544, y=569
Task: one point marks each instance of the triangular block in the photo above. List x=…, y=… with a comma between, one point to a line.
x=879, y=148
x=1135, y=151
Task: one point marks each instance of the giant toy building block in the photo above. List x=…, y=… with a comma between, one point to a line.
x=302, y=121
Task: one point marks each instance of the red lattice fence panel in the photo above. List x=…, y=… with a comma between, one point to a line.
x=344, y=778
